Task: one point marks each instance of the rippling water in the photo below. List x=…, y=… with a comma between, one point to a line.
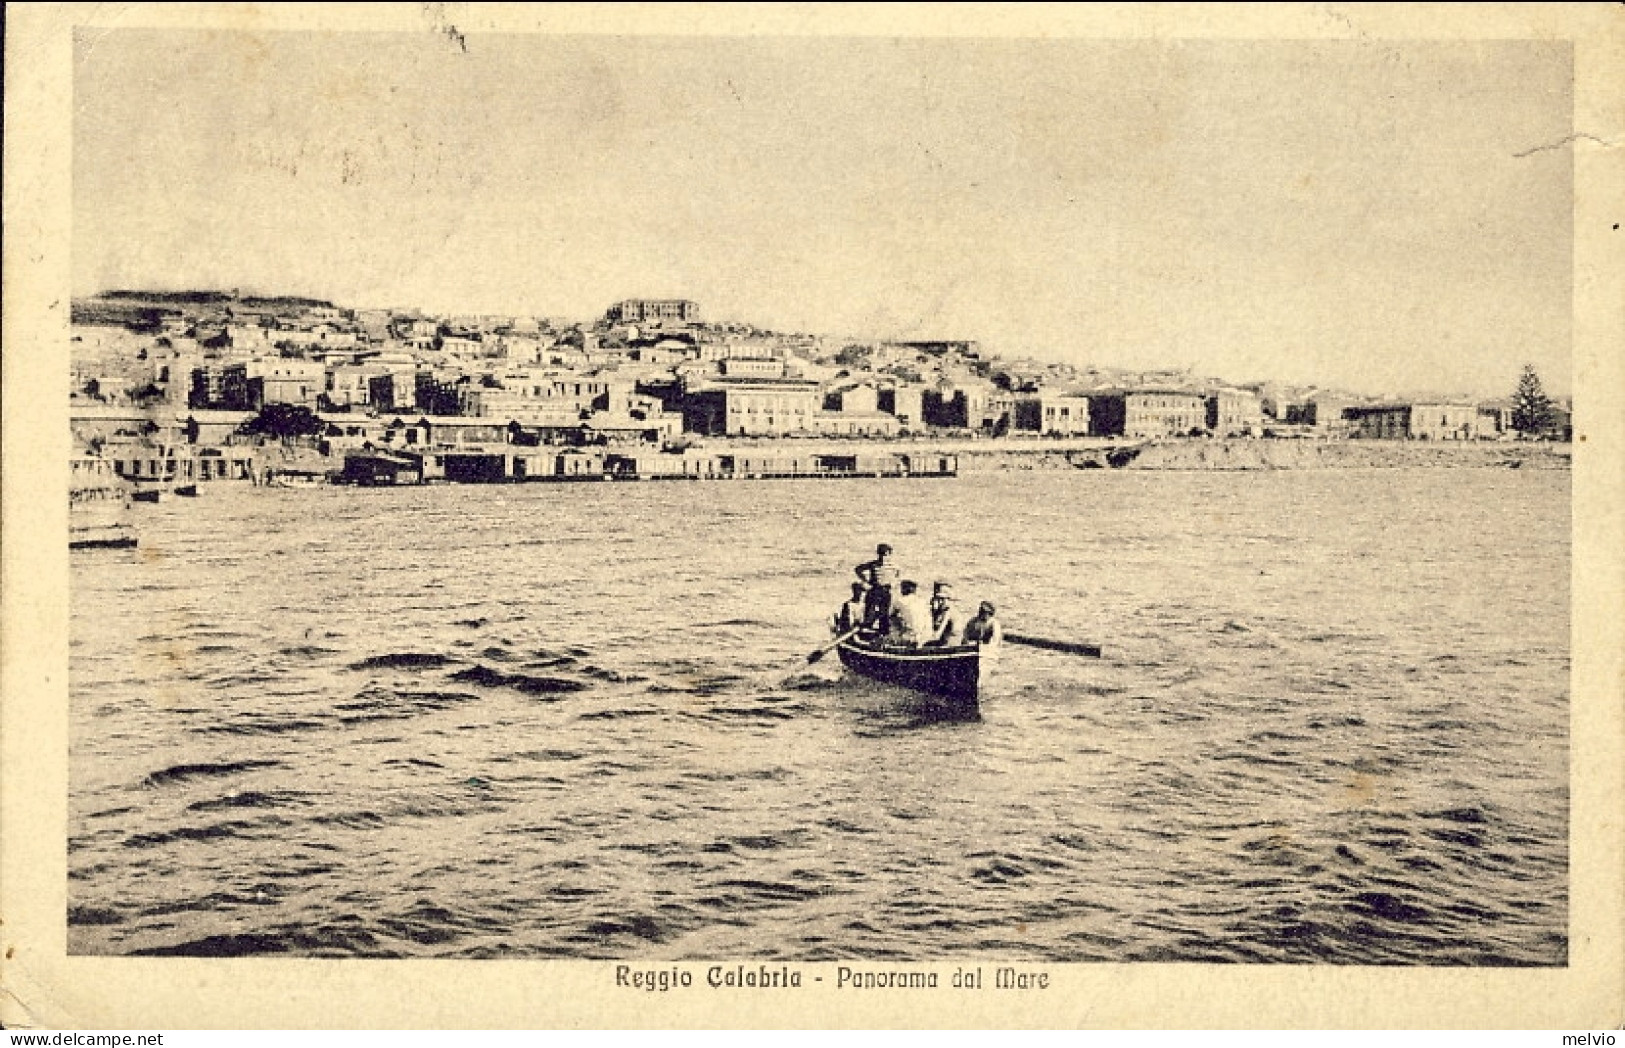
x=576, y=721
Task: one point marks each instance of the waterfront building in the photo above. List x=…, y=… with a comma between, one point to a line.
x=904, y=403
x=1052, y=414
x=378, y=468
x=1325, y=412
x=854, y=424
x=645, y=310
x=958, y=405
x=1147, y=412
x=175, y=464
x=1379, y=421
x=751, y=407
x=1494, y=419
x=1440, y=420
x=1233, y=411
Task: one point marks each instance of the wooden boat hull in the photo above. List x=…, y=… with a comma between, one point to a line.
x=100, y=536
x=950, y=674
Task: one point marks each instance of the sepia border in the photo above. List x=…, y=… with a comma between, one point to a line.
x=44, y=987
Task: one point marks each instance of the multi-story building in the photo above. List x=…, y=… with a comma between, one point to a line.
x=752, y=407
x=1231, y=411
x=958, y=405
x=1379, y=421
x=1149, y=412
x=1437, y=420
x=644, y=310
x=752, y=367
x=1057, y=414
x=280, y=380
x=1494, y=419
x=904, y=403
x=350, y=385
x=860, y=398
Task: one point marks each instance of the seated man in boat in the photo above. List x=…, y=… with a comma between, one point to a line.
x=984, y=629
x=910, y=617
x=851, y=614
x=946, y=625
x=878, y=576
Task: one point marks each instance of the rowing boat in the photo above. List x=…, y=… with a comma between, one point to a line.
x=951, y=674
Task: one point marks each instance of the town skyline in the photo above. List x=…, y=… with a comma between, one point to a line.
x=1377, y=218
x=558, y=324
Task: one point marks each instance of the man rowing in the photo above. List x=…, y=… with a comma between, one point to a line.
x=945, y=619
x=850, y=616
x=984, y=629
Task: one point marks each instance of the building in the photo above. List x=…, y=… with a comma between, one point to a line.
x=860, y=399
x=1150, y=412
x=1231, y=411
x=752, y=407
x=752, y=367
x=644, y=310
x=280, y=380
x=938, y=348
x=1494, y=419
x=854, y=424
x=1435, y=420
x=1052, y=414
x=350, y=385
x=1379, y=421
x=959, y=405
x=904, y=403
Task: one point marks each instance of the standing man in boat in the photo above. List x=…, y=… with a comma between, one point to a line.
x=878, y=576
x=945, y=620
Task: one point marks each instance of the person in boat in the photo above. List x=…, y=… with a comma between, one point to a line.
x=946, y=624
x=984, y=630
x=851, y=615
x=879, y=578
x=910, y=617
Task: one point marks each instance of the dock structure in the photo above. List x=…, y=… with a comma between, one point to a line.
x=503, y=464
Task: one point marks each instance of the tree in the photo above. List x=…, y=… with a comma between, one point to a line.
x=283, y=420
x=1531, y=408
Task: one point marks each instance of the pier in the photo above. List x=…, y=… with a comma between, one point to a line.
x=506, y=464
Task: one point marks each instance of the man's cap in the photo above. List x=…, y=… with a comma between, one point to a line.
x=883, y=548
x=987, y=606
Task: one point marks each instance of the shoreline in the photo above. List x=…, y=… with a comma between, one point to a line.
x=1243, y=454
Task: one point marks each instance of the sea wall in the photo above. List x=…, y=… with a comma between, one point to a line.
x=1258, y=454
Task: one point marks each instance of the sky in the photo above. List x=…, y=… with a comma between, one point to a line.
x=1372, y=215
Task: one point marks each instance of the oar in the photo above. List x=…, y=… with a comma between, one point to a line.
x=1090, y=650
x=843, y=638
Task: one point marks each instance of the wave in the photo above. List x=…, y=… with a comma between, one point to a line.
x=374, y=704
x=403, y=660
x=251, y=799
x=524, y=682
x=234, y=828
x=252, y=724
x=182, y=772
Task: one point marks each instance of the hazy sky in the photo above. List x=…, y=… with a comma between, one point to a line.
x=1375, y=215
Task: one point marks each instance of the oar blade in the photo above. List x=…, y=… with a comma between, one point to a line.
x=1068, y=647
